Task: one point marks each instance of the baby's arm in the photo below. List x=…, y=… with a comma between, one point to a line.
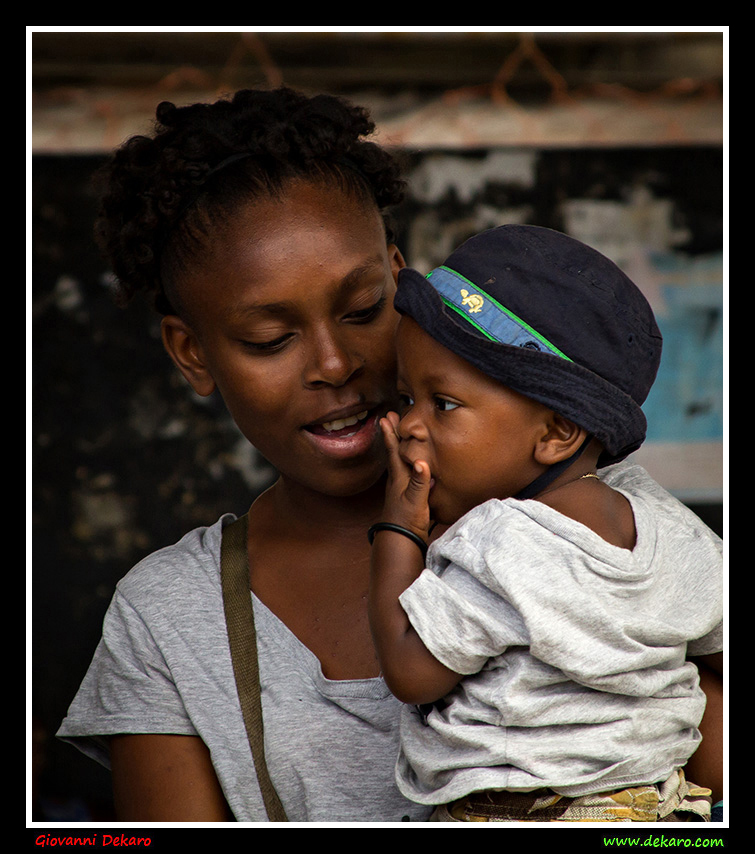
x=412, y=673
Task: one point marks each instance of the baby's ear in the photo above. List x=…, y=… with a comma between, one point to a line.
x=562, y=439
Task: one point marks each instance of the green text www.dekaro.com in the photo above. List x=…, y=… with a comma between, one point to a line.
x=663, y=840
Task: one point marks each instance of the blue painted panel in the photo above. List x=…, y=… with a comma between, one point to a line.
x=686, y=402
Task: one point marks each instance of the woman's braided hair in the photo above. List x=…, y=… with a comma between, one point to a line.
x=162, y=196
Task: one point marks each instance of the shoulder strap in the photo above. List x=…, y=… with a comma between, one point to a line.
x=242, y=638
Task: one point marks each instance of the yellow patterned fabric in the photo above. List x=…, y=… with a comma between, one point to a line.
x=675, y=799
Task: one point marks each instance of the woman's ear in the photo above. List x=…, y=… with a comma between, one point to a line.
x=562, y=439
x=396, y=259
x=184, y=348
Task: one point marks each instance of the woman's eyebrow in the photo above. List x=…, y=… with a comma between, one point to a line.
x=353, y=277
x=349, y=281
x=242, y=311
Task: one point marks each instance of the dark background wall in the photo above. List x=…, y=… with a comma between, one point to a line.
x=126, y=459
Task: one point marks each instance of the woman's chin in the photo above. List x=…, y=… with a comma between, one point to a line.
x=365, y=478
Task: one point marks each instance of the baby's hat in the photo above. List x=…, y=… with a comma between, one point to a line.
x=549, y=317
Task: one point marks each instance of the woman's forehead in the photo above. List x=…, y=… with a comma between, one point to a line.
x=305, y=216
x=308, y=237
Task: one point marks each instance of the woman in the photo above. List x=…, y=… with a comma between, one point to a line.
x=258, y=226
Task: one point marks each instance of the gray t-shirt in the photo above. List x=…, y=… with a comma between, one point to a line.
x=163, y=666
x=576, y=649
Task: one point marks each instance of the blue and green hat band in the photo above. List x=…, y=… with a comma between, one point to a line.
x=486, y=314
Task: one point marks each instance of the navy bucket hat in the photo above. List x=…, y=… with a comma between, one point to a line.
x=551, y=318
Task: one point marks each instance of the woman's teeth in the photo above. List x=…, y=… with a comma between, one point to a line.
x=339, y=424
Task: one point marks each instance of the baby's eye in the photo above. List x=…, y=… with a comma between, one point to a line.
x=444, y=405
x=404, y=401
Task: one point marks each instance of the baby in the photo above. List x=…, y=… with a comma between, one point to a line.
x=541, y=642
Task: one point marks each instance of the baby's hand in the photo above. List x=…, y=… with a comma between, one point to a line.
x=408, y=486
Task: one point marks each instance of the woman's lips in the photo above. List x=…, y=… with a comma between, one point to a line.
x=339, y=425
x=345, y=437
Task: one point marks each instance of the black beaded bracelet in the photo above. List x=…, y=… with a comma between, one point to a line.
x=389, y=526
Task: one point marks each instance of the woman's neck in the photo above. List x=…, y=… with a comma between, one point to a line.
x=304, y=509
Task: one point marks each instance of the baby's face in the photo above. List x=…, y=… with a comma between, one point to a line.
x=477, y=436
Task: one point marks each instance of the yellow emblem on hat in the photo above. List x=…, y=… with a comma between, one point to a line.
x=474, y=301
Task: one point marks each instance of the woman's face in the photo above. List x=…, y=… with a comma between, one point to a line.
x=290, y=316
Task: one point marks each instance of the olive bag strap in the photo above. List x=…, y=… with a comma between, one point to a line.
x=242, y=639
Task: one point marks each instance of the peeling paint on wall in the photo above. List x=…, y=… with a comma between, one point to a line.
x=686, y=294
x=456, y=196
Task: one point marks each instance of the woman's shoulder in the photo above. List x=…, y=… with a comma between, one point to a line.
x=187, y=568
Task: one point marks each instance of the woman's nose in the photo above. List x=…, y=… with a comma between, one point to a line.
x=332, y=361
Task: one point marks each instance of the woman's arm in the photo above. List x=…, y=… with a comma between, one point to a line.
x=705, y=766
x=165, y=778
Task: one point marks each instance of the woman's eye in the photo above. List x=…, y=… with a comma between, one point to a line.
x=444, y=405
x=366, y=314
x=267, y=346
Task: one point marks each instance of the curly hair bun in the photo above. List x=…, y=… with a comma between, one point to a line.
x=158, y=187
